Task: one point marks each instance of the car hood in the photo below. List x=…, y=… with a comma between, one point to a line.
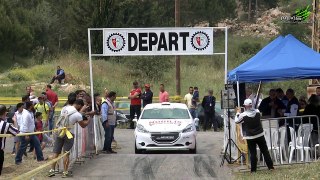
x=165, y=125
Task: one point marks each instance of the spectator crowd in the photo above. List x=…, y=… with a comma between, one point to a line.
x=36, y=113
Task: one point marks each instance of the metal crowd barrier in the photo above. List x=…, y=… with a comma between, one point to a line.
x=292, y=139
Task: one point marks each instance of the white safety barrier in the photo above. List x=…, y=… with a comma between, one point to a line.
x=292, y=139
x=99, y=133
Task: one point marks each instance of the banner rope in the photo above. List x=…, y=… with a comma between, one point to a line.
x=31, y=173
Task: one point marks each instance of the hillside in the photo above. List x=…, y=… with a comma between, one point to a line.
x=246, y=37
x=206, y=72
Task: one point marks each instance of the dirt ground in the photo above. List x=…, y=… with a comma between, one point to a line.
x=11, y=170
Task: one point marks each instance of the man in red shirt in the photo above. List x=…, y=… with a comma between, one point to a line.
x=53, y=98
x=135, y=103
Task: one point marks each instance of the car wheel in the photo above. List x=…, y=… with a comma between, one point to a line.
x=136, y=151
x=193, y=151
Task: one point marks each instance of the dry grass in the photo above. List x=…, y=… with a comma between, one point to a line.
x=11, y=170
x=294, y=172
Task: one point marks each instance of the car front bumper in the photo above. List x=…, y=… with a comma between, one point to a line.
x=147, y=141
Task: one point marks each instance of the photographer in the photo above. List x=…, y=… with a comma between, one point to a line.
x=63, y=142
x=252, y=131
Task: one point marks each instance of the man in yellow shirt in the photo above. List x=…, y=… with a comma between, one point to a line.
x=44, y=109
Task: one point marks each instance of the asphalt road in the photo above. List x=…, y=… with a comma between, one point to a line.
x=157, y=165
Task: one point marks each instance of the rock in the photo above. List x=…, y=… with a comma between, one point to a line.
x=275, y=12
x=222, y=24
x=68, y=78
x=274, y=32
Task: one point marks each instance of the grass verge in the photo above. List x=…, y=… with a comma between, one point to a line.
x=292, y=172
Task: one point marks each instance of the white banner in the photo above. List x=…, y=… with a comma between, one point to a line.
x=157, y=41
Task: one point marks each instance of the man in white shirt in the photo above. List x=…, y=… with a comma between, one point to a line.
x=188, y=102
x=28, y=126
x=65, y=142
x=17, y=118
x=252, y=131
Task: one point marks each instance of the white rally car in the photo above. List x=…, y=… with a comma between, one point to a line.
x=165, y=126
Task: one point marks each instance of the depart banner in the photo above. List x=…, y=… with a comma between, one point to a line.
x=157, y=41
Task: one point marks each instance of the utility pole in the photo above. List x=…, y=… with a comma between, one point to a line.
x=177, y=24
x=249, y=10
x=256, y=9
x=315, y=44
x=315, y=39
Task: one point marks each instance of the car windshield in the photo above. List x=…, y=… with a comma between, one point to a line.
x=218, y=107
x=122, y=105
x=165, y=113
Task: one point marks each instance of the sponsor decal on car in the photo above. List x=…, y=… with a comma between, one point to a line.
x=168, y=121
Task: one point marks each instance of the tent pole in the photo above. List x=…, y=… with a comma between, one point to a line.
x=225, y=82
x=238, y=95
x=225, y=55
x=258, y=94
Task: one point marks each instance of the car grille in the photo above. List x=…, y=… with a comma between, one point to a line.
x=154, y=145
x=165, y=138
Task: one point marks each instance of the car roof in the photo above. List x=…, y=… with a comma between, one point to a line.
x=166, y=105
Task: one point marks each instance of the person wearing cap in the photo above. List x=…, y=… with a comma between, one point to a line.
x=253, y=132
x=33, y=98
x=208, y=104
x=147, y=95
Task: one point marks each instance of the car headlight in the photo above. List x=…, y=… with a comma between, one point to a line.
x=141, y=129
x=189, y=128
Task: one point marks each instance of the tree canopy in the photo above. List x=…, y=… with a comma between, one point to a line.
x=46, y=27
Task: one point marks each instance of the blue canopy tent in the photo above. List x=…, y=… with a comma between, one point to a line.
x=283, y=59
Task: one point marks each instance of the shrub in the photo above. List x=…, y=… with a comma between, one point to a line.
x=249, y=48
x=17, y=75
x=151, y=67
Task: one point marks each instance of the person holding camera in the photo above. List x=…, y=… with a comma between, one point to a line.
x=70, y=115
x=253, y=132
